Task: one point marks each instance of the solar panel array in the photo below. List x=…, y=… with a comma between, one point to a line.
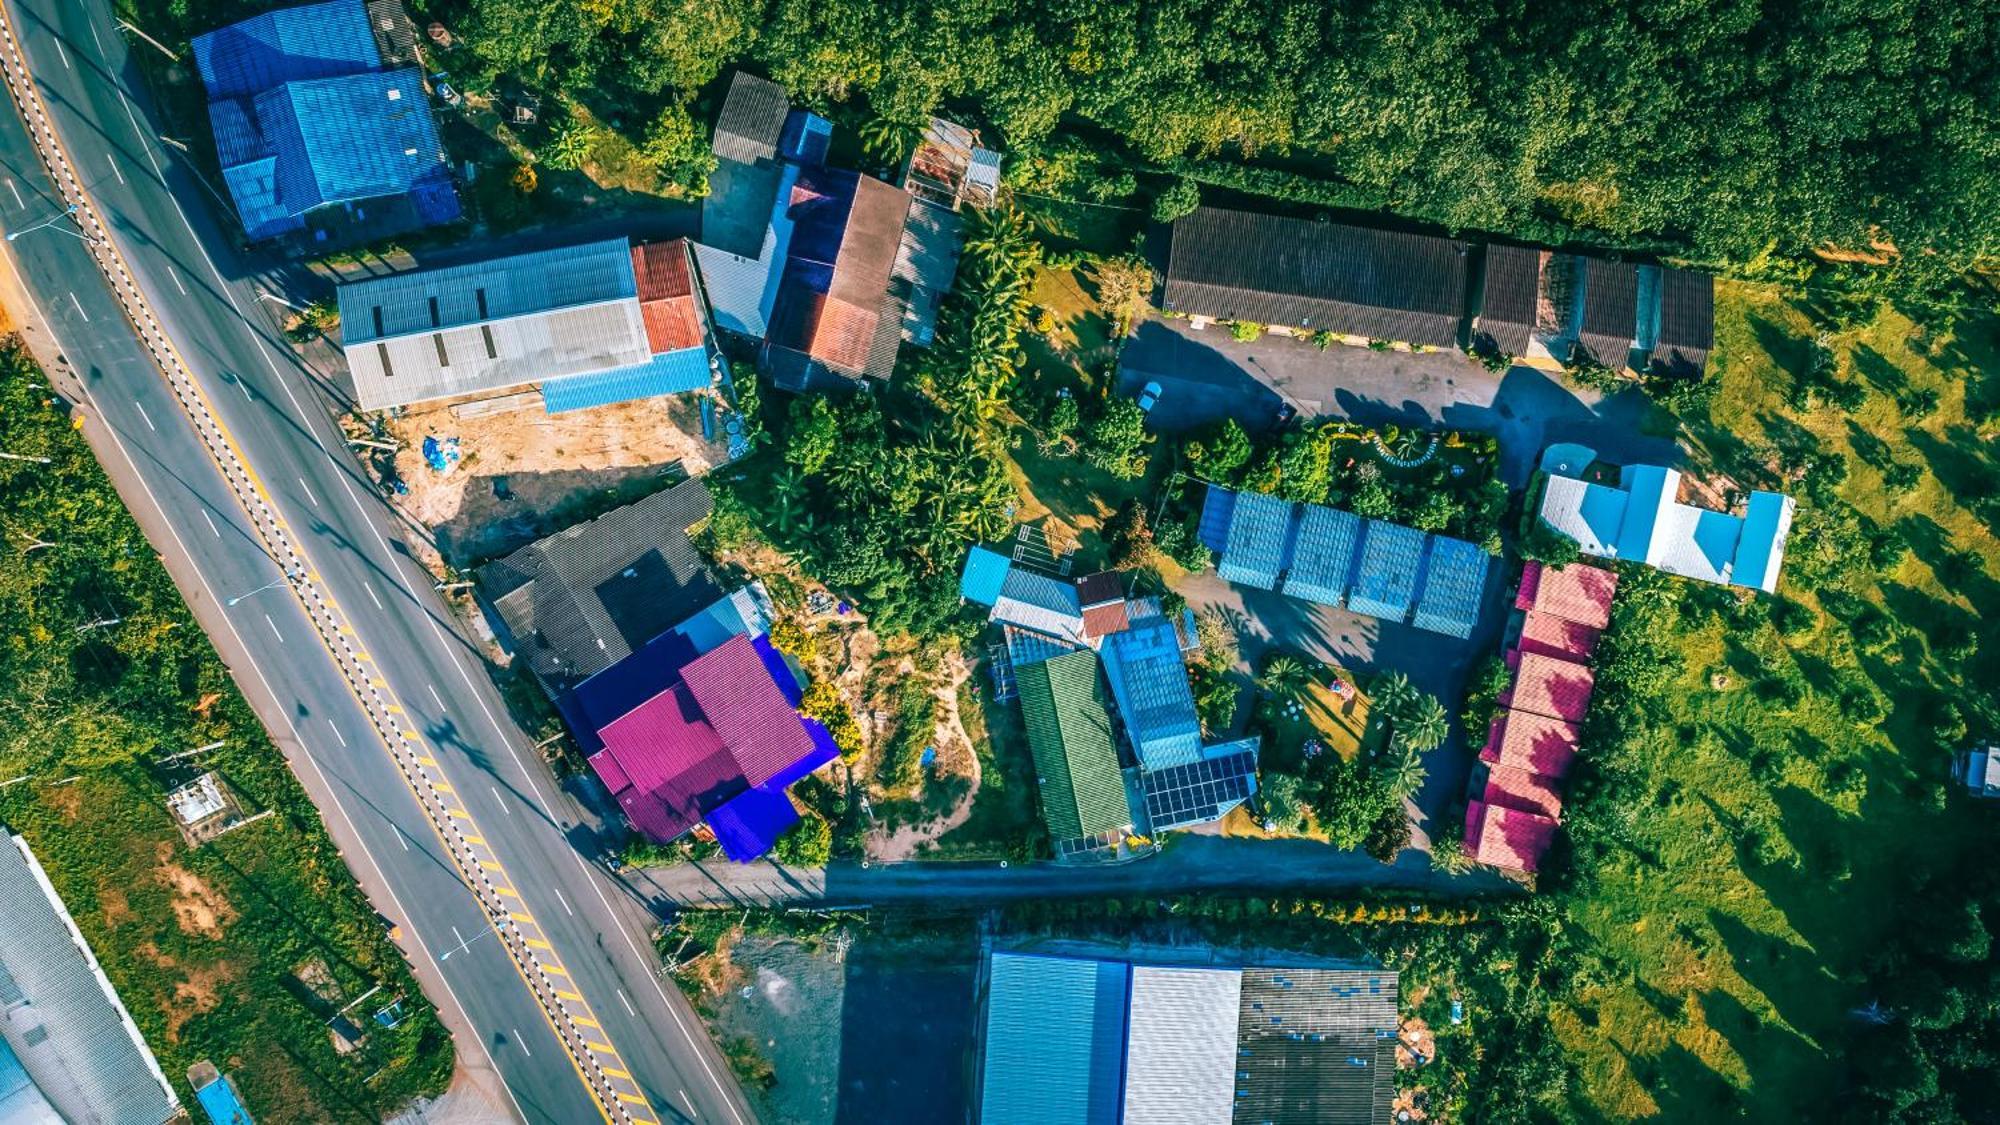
x=1453, y=581
x=1198, y=791
x=1324, y=558
x=1390, y=556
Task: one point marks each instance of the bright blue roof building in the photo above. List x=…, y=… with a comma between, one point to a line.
x=1387, y=580
x=1150, y=685
x=1454, y=578
x=1259, y=536
x=307, y=117
x=1323, y=558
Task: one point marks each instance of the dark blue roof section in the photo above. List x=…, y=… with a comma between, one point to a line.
x=1387, y=579
x=748, y=825
x=779, y=668
x=288, y=45
x=1260, y=532
x=1323, y=558
x=654, y=668
x=806, y=138
x=1454, y=579
x=1217, y=509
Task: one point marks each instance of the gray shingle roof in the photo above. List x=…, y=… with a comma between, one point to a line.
x=1687, y=323
x=1387, y=285
x=582, y=599
x=1508, y=297
x=59, y=1013
x=1610, y=311
x=752, y=119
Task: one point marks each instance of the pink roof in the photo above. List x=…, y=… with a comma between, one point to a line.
x=1559, y=637
x=1516, y=788
x=1531, y=742
x=1507, y=837
x=1578, y=592
x=748, y=709
x=1544, y=685
x=655, y=741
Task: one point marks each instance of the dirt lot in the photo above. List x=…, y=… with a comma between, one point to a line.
x=543, y=463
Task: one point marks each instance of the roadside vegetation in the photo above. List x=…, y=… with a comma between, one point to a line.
x=237, y=951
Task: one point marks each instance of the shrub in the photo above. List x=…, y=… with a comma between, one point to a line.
x=823, y=701
x=1128, y=534
x=1546, y=545
x=809, y=843
x=1115, y=437
x=1245, y=331
x=1176, y=201
x=1282, y=797
x=1221, y=454
x=678, y=150
x=1388, y=835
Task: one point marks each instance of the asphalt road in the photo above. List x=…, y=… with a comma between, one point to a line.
x=206, y=295
x=1191, y=862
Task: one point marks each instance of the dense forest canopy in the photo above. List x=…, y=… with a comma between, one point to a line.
x=1726, y=130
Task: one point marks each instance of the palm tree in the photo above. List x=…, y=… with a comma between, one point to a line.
x=1404, y=774
x=889, y=140
x=787, y=489
x=1285, y=678
x=1394, y=694
x=1423, y=725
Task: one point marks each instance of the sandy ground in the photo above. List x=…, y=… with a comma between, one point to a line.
x=546, y=460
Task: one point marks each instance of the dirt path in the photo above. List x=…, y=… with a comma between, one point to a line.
x=955, y=757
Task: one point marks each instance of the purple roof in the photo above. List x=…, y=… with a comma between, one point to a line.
x=748, y=709
x=747, y=826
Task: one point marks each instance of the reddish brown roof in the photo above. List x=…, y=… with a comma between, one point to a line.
x=1578, y=592
x=1544, y=685
x=1549, y=635
x=1523, y=790
x=1103, y=620
x=1504, y=837
x=1532, y=742
x=828, y=329
x=666, y=296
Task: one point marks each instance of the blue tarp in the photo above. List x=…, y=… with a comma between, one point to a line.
x=218, y=1099
x=806, y=137
x=595, y=702
x=665, y=374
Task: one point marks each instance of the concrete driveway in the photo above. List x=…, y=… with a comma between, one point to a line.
x=1206, y=375
x=1434, y=662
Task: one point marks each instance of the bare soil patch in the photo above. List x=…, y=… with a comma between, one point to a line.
x=198, y=907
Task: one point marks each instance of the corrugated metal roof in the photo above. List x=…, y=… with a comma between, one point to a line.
x=1180, y=1046
x=1044, y=603
x=1509, y=297
x=94, y=1062
x=1316, y=1045
x=1386, y=577
x=752, y=118
x=748, y=709
x=1591, y=514
x=1150, y=684
x=672, y=373
x=1767, y=524
x=1218, y=510
x=286, y=45
x=490, y=325
x=1687, y=324
x=1390, y=285
x=1260, y=528
x=1069, y=734
x=1454, y=581
x=926, y=264
x=1610, y=312
x=1323, y=560
x=1055, y=1041
x=1532, y=742
x=665, y=276
x=984, y=574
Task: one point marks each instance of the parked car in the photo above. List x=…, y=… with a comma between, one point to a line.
x=1149, y=397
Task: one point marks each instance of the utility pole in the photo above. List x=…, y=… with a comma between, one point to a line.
x=162, y=47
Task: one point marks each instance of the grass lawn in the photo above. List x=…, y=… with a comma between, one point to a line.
x=1006, y=819
x=1783, y=827
x=1339, y=725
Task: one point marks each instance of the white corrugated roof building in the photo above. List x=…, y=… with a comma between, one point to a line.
x=1642, y=521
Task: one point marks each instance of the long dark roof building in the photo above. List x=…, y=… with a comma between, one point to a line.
x=1610, y=312
x=1510, y=294
x=1687, y=323
x=586, y=597
x=1268, y=269
x=753, y=116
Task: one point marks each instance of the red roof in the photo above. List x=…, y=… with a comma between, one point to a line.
x=1103, y=620
x=1544, y=685
x=1550, y=635
x=1578, y=592
x=1509, y=838
x=747, y=708
x=1524, y=790
x=1532, y=742
x=666, y=296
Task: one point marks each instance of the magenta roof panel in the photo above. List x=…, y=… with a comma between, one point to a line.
x=732, y=686
x=1532, y=742
x=1509, y=838
x=659, y=738
x=1544, y=685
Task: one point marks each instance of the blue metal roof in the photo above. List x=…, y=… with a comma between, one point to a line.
x=1760, y=553
x=290, y=44
x=985, y=571
x=218, y=1099
x=1323, y=559
x=752, y=821
x=1259, y=532
x=1387, y=578
x=1218, y=507
x=1453, y=580
x=665, y=374
x=1055, y=1040
x=806, y=137
x=1150, y=686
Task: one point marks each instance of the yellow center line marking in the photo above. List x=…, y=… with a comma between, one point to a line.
x=585, y=1021
x=573, y=996
x=508, y=891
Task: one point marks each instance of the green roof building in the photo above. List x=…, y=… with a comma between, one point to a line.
x=1069, y=733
